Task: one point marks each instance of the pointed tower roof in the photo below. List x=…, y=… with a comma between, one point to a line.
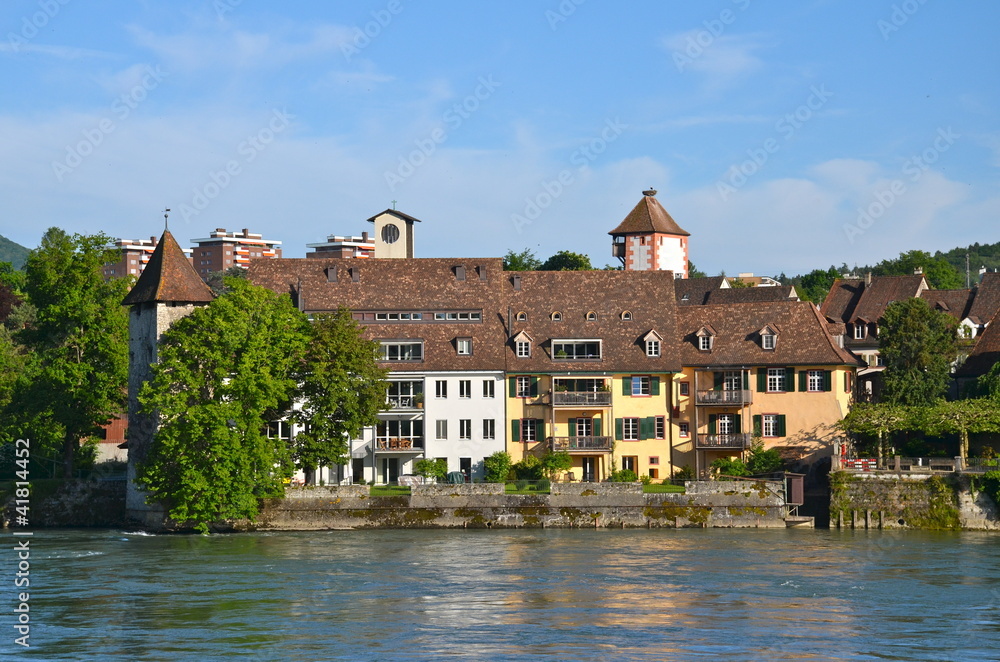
x=168, y=276
x=649, y=216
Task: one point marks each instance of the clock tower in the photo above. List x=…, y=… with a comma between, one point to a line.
x=393, y=234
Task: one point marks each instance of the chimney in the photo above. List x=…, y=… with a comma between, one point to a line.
x=868, y=278
x=364, y=237
x=517, y=282
x=460, y=272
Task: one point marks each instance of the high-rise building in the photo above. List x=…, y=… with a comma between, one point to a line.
x=222, y=250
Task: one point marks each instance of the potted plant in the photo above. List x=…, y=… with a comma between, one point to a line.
x=418, y=400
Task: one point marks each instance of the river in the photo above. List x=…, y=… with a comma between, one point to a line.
x=661, y=594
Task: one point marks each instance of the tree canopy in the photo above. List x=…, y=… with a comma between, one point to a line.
x=567, y=261
x=940, y=274
x=523, y=261
x=918, y=345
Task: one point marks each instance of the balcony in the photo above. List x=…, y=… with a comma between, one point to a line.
x=723, y=398
x=404, y=402
x=580, y=444
x=399, y=444
x=581, y=398
x=736, y=441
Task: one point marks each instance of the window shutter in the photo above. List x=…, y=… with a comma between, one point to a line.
x=758, y=425
x=761, y=380
x=789, y=379
x=744, y=380
x=513, y=388
x=515, y=430
x=847, y=382
x=827, y=380
x=619, y=429
x=712, y=423
x=647, y=428
x=781, y=425
x=719, y=377
x=597, y=427
x=803, y=380
x=654, y=385
x=626, y=385
x=534, y=387
x=738, y=423
x=540, y=429
x=572, y=427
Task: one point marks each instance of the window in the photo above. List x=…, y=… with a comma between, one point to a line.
x=279, y=430
x=591, y=316
x=640, y=385
x=660, y=427
x=770, y=425
x=859, y=331
x=465, y=388
x=654, y=460
x=402, y=351
x=629, y=462
x=528, y=429
x=576, y=350
x=556, y=316
x=522, y=317
x=685, y=388
x=489, y=428
x=440, y=389
x=630, y=429
x=684, y=430
x=767, y=341
x=489, y=388
x=654, y=473
x=726, y=424
x=775, y=380
x=464, y=346
x=732, y=380
x=627, y=316
x=705, y=343
x=465, y=428
x=815, y=380
x=440, y=429
x=652, y=348
x=523, y=349
x=523, y=387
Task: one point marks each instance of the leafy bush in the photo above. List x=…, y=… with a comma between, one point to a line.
x=497, y=467
x=991, y=485
x=684, y=473
x=543, y=485
x=530, y=468
x=730, y=466
x=554, y=463
x=623, y=476
x=437, y=469
x=763, y=461
x=645, y=480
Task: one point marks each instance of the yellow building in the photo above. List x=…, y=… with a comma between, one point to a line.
x=590, y=361
x=767, y=369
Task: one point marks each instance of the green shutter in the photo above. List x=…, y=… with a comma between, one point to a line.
x=781, y=425
x=540, y=429
x=534, y=387
x=803, y=380
x=790, y=379
x=712, y=419
x=827, y=380
x=619, y=429
x=515, y=430
x=762, y=380
x=647, y=427
x=597, y=427
x=744, y=380
x=626, y=385
x=738, y=422
x=718, y=377
x=654, y=385
x=758, y=425
x=512, y=382
x=572, y=427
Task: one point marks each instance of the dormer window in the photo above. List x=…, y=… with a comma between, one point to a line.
x=522, y=316
x=652, y=341
x=768, y=337
x=705, y=343
x=706, y=338
x=627, y=316
x=859, y=331
x=556, y=316
x=522, y=345
x=591, y=316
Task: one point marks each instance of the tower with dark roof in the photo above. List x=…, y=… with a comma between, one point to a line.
x=650, y=240
x=168, y=289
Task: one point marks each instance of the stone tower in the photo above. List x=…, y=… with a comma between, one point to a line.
x=168, y=289
x=393, y=234
x=650, y=240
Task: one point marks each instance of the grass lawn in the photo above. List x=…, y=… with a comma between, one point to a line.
x=654, y=488
x=526, y=487
x=389, y=490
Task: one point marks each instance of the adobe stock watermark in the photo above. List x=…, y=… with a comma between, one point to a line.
x=249, y=149
x=900, y=16
x=552, y=189
x=31, y=25
x=22, y=542
x=913, y=169
x=453, y=118
x=361, y=37
x=121, y=108
x=562, y=13
x=698, y=42
x=223, y=7
x=738, y=175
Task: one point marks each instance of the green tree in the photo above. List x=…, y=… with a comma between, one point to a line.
x=567, y=261
x=918, y=345
x=523, y=261
x=217, y=279
x=762, y=461
x=939, y=273
x=878, y=420
x=555, y=463
x=497, y=467
x=961, y=417
x=342, y=389
x=815, y=285
x=224, y=371
x=77, y=341
x=695, y=272
x=436, y=468
x=988, y=385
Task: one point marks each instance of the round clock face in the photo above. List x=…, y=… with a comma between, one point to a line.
x=390, y=233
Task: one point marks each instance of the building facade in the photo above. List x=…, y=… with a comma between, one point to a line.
x=648, y=239
x=222, y=250
x=135, y=255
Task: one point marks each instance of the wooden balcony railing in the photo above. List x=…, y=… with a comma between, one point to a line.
x=737, y=397
x=571, y=444
x=399, y=444
x=581, y=398
x=734, y=441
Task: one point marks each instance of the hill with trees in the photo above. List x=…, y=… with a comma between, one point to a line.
x=13, y=252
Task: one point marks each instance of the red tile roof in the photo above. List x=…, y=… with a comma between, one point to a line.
x=842, y=298
x=695, y=291
x=986, y=353
x=649, y=216
x=884, y=290
x=951, y=302
x=986, y=302
x=168, y=276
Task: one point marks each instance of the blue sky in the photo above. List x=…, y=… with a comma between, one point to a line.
x=782, y=136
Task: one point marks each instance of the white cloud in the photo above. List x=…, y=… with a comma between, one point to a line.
x=720, y=60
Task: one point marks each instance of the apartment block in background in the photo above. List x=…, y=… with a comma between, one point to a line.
x=135, y=254
x=222, y=250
